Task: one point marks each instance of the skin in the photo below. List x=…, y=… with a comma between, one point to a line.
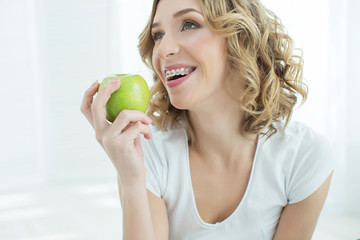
x=186, y=40
x=121, y=142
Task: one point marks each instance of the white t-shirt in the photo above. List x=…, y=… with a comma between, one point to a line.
x=287, y=168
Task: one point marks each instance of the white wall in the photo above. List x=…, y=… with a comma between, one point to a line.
x=352, y=109
x=83, y=42
x=20, y=121
x=51, y=52
x=75, y=51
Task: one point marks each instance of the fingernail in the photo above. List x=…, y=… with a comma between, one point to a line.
x=94, y=83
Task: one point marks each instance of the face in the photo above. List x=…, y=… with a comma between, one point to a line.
x=188, y=57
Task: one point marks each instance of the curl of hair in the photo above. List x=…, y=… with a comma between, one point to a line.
x=259, y=52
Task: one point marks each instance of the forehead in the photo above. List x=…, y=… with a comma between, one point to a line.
x=167, y=8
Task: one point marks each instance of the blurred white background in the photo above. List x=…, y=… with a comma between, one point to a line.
x=55, y=180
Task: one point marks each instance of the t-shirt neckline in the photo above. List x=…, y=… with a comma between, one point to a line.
x=243, y=200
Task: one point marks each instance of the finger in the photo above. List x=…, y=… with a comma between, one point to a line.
x=98, y=106
x=138, y=128
x=87, y=100
x=129, y=125
x=126, y=118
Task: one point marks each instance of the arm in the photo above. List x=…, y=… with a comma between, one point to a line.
x=298, y=221
x=121, y=142
x=141, y=207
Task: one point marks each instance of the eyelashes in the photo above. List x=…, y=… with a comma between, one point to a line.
x=190, y=24
x=156, y=36
x=187, y=25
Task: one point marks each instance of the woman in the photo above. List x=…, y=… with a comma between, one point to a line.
x=216, y=156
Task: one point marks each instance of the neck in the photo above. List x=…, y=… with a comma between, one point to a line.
x=217, y=128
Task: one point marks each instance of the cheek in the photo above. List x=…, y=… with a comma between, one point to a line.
x=210, y=51
x=198, y=43
x=207, y=45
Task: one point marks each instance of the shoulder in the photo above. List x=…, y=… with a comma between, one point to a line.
x=299, y=150
x=305, y=157
x=298, y=136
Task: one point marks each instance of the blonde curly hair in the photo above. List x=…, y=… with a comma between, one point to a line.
x=258, y=49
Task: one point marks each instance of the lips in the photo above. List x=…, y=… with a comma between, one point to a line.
x=178, y=81
x=168, y=72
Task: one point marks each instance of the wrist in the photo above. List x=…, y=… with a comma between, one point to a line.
x=132, y=192
x=132, y=183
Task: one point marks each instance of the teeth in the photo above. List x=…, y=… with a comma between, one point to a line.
x=182, y=71
x=179, y=71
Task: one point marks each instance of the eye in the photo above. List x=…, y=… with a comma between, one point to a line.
x=189, y=25
x=156, y=36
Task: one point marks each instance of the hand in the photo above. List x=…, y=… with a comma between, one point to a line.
x=121, y=139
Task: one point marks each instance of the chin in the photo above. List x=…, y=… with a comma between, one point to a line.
x=179, y=103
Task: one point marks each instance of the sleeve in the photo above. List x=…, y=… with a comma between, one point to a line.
x=155, y=167
x=312, y=164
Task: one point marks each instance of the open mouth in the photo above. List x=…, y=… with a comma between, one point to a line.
x=175, y=77
x=180, y=74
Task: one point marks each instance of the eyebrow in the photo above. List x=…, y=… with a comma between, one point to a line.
x=178, y=14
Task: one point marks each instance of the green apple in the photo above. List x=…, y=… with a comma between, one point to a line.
x=133, y=94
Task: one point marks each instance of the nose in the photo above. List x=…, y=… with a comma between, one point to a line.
x=168, y=47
